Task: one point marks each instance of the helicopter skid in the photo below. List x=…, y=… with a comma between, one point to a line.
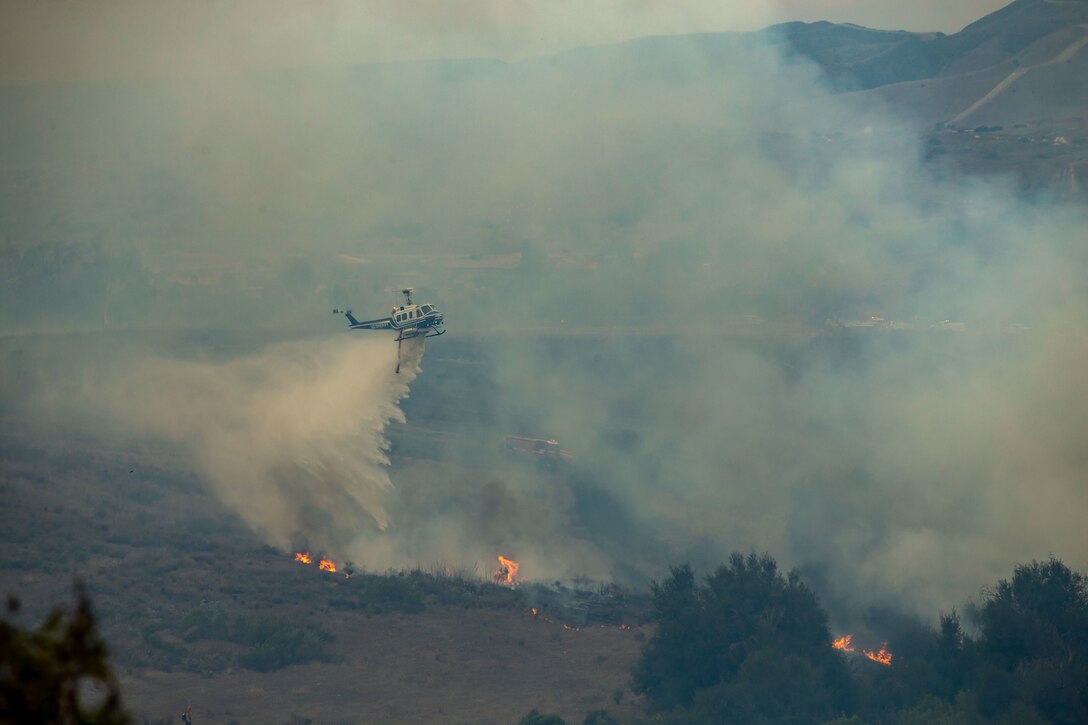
x=419, y=333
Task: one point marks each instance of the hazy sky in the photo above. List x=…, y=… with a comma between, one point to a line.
x=142, y=38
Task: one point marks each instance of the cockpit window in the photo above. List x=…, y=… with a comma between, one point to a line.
x=425, y=309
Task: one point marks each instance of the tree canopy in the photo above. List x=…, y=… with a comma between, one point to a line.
x=748, y=645
x=747, y=641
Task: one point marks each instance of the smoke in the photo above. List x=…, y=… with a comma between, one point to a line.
x=654, y=250
x=290, y=438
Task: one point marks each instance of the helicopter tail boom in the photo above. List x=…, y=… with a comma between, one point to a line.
x=347, y=314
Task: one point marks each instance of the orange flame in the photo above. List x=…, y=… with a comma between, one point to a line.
x=508, y=569
x=326, y=565
x=883, y=656
x=843, y=643
x=533, y=609
x=304, y=558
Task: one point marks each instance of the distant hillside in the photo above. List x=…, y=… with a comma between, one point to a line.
x=1042, y=81
x=1024, y=63
x=1001, y=35
x=857, y=58
x=1017, y=77
x=1027, y=60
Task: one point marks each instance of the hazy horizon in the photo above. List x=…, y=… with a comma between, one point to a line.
x=124, y=40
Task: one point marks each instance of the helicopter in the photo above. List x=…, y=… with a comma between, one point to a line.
x=409, y=320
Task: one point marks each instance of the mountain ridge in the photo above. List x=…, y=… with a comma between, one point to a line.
x=898, y=55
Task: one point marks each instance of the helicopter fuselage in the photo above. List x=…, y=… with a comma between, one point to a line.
x=409, y=320
x=415, y=317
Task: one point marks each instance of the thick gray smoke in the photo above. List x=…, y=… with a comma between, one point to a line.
x=657, y=248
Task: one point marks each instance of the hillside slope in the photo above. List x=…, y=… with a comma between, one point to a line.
x=198, y=613
x=856, y=58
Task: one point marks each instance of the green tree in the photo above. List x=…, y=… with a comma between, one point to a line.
x=771, y=687
x=1029, y=663
x=42, y=671
x=678, y=660
x=1042, y=612
x=950, y=657
x=747, y=645
x=1033, y=648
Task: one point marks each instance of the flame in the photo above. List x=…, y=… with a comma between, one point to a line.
x=843, y=643
x=508, y=569
x=323, y=565
x=533, y=610
x=883, y=656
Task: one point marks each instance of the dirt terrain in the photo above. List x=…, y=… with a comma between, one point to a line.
x=446, y=664
x=183, y=592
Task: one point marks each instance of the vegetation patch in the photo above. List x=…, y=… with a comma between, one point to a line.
x=195, y=641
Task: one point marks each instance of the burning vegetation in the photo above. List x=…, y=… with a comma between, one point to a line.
x=883, y=656
x=843, y=643
x=508, y=569
x=323, y=564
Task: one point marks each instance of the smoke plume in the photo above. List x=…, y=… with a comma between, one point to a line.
x=754, y=313
x=290, y=438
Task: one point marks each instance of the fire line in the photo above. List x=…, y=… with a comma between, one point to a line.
x=843, y=643
x=883, y=656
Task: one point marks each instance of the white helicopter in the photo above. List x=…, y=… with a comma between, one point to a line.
x=409, y=320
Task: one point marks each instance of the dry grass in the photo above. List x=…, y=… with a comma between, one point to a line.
x=154, y=548
x=443, y=665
